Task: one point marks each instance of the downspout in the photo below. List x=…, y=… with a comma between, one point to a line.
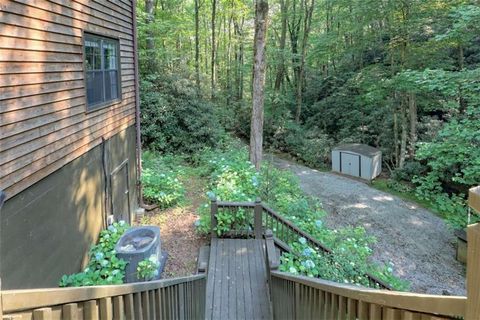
x=138, y=149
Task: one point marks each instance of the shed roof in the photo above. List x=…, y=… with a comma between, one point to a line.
x=359, y=148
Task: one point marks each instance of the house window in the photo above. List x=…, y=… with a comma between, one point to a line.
x=101, y=65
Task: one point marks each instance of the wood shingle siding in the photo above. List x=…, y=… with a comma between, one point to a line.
x=43, y=120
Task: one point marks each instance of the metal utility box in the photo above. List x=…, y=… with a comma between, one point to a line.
x=357, y=160
x=137, y=244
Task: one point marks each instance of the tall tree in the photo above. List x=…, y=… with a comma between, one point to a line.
x=256, y=128
x=284, y=4
x=150, y=38
x=197, y=46
x=307, y=23
x=213, y=51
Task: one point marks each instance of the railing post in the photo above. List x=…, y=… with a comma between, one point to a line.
x=213, y=220
x=473, y=276
x=257, y=219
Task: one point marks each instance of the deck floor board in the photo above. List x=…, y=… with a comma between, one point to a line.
x=237, y=280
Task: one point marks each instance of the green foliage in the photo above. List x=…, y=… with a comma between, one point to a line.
x=233, y=178
x=399, y=186
x=147, y=269
x=409, y=170
x=453, y=158
x=340, y=266
x=103, y=267
x=160, y=181
x=174, y=118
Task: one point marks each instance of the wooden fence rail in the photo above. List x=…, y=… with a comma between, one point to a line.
x=298, y=297
x=180, y=298
x=260, y=218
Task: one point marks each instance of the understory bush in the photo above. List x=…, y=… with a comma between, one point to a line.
x=453, y=163
x=175, y=118
x=147, y=269
x=160, y=180
x=233, y=178
x=311, y=146
x=103, y=266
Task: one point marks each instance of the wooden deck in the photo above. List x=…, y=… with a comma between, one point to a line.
x=237, y=280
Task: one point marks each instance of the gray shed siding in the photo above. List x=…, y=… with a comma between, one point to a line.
x=344, y=160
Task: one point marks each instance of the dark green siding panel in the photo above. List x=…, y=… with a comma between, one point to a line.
x=47, y=229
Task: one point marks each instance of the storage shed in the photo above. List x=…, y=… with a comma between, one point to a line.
x=358, y=160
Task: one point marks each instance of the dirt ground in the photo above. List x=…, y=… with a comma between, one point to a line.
x=419, y=243
x=177, y=231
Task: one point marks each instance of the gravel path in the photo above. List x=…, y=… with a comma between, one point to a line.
x=418, y=243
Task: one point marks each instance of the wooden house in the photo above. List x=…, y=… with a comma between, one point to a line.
x=68, y=132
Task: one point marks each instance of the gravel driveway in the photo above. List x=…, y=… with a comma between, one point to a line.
x=418, y=243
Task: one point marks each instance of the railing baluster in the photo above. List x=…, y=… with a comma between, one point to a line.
x=118, y=308
x=137, y=306
x=42, y=314
x=213, y=217
x=145, y=304
x=70, y=311
x=129, y=309
x=375, y=311
x=351, y=309
x=106, y=312
x=90, y=310
x=363, y=310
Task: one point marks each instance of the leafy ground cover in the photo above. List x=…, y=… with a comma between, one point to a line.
x=232, y=178
x=450, y=208
x=176, y=219
x=103, y=267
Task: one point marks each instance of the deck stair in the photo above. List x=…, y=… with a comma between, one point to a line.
x=239, y=279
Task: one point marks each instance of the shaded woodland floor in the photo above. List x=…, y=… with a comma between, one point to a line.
x=177, y=229
x=419, y=243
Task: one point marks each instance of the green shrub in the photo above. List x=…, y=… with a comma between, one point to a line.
x=147, y=269
x=160, y=180
x=399, y=186
x=233, y=178
x=174, y=119
x=410, y=170
x=103, y=267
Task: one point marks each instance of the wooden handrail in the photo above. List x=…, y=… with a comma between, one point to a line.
x=32, y=299
x=259, y=229
x=296, y=229
x=452, y=306
x=309, y=238
x=273, y=261
x=227, y=204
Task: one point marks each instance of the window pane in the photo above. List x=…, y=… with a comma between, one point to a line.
x=94, y=87
x=101, y=64
x=92, y=54
x=111, y=85
x=110, y=54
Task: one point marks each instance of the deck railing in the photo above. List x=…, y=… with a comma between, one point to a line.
x=299, y=297
x=179, y=298
x=258, y=218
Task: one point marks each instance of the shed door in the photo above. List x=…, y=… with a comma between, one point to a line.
x=120, y=193
x=350, y=164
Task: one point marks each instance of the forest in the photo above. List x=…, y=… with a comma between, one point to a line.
x=402, y=76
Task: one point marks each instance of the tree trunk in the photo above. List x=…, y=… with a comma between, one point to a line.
x=197, y=48
x=256, y=131
x=213, y=64
x=283, y=37
x=150, y=41
x=403, y=135
x=395, y=138
x=412, y=110
x=306, y=30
